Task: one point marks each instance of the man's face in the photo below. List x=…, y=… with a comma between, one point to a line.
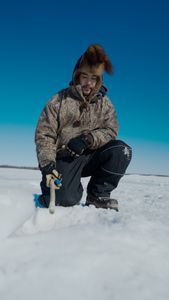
x=88, y=82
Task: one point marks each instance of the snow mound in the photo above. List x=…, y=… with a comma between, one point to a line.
x=43, y=221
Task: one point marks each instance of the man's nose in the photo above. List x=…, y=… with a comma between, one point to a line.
x=89, y=81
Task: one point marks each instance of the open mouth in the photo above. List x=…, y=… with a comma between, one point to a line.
x=86, y=89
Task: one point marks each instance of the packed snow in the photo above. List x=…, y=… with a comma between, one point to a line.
x=84, y=253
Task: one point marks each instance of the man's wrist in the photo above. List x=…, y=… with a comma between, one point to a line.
x=88, y=139
x=47, y=169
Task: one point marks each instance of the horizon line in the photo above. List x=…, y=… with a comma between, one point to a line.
x=37, y=168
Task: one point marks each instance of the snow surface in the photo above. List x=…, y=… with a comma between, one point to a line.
x=83, y=252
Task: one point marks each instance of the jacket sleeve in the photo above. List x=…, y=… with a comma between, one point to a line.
x=109, y=128
x=46, y=133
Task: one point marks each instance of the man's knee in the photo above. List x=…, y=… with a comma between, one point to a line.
x=116, y=157
x=68, y=201
x=65, y=197
x=117, y=149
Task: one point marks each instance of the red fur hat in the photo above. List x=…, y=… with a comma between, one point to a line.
x=94, y=61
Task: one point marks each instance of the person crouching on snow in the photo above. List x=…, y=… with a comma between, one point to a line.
x=76, y=136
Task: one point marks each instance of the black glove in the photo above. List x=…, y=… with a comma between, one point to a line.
x=79, y=144
x=52, y=174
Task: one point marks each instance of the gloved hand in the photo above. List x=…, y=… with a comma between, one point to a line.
x=76, y=146
x=51, y=173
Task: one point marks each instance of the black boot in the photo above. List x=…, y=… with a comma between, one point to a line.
x=102, y=202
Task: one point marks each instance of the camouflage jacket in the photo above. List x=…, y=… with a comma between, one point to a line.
x=68, y=114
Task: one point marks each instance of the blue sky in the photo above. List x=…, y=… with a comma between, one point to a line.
x=40, y=43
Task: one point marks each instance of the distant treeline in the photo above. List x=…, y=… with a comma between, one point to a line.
x=36, y=168
x=19, y=167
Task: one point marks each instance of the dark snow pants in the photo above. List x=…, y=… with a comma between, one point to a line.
x=105, y=166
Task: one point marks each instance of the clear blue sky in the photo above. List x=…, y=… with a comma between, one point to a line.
x=40, y=43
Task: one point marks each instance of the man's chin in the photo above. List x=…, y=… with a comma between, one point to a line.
x=86, y=93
